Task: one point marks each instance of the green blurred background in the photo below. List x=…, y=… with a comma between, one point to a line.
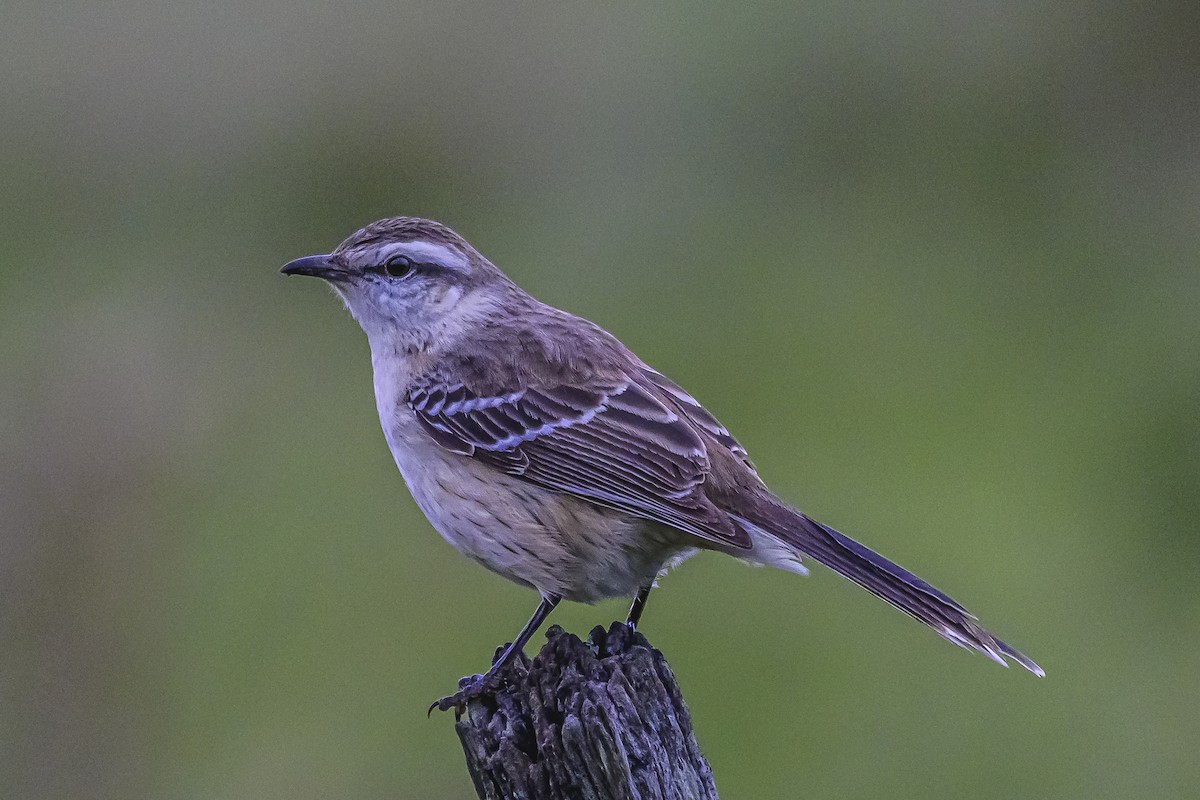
x=935, y=264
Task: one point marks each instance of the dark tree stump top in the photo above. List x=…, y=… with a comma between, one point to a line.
x=590, y=721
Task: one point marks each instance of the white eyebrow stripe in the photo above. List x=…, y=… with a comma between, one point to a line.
x=425, y=253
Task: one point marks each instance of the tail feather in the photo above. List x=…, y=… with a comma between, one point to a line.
x=882, y=578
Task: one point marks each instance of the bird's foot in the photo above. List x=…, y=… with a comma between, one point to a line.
x=469, y=688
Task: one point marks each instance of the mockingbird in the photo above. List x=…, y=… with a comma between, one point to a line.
x=540, y=446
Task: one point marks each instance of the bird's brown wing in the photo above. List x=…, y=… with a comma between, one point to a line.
x=698, y=415
x=616, y=443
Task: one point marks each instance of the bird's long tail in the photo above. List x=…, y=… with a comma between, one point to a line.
x=881, y=578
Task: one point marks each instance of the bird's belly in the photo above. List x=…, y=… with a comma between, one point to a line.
x=550, y=541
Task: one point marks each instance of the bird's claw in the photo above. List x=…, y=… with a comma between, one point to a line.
x=469, y=688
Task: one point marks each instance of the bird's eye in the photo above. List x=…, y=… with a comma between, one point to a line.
x=399, y=266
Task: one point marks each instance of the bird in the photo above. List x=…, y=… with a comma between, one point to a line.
x=541, y=447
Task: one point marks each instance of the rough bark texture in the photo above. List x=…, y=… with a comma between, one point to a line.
x=598, y=720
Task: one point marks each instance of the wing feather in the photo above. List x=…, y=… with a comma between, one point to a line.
x=697, y=414
x=618, y=444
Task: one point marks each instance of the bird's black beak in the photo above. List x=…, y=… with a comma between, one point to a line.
x=316, y=267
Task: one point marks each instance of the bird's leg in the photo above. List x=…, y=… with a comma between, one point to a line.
x=479, y=684
x=539, y=616
x=639, y=605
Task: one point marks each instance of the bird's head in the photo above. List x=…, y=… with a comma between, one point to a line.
x=407, y=277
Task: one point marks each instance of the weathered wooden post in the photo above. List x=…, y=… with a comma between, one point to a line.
x=595, y=720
